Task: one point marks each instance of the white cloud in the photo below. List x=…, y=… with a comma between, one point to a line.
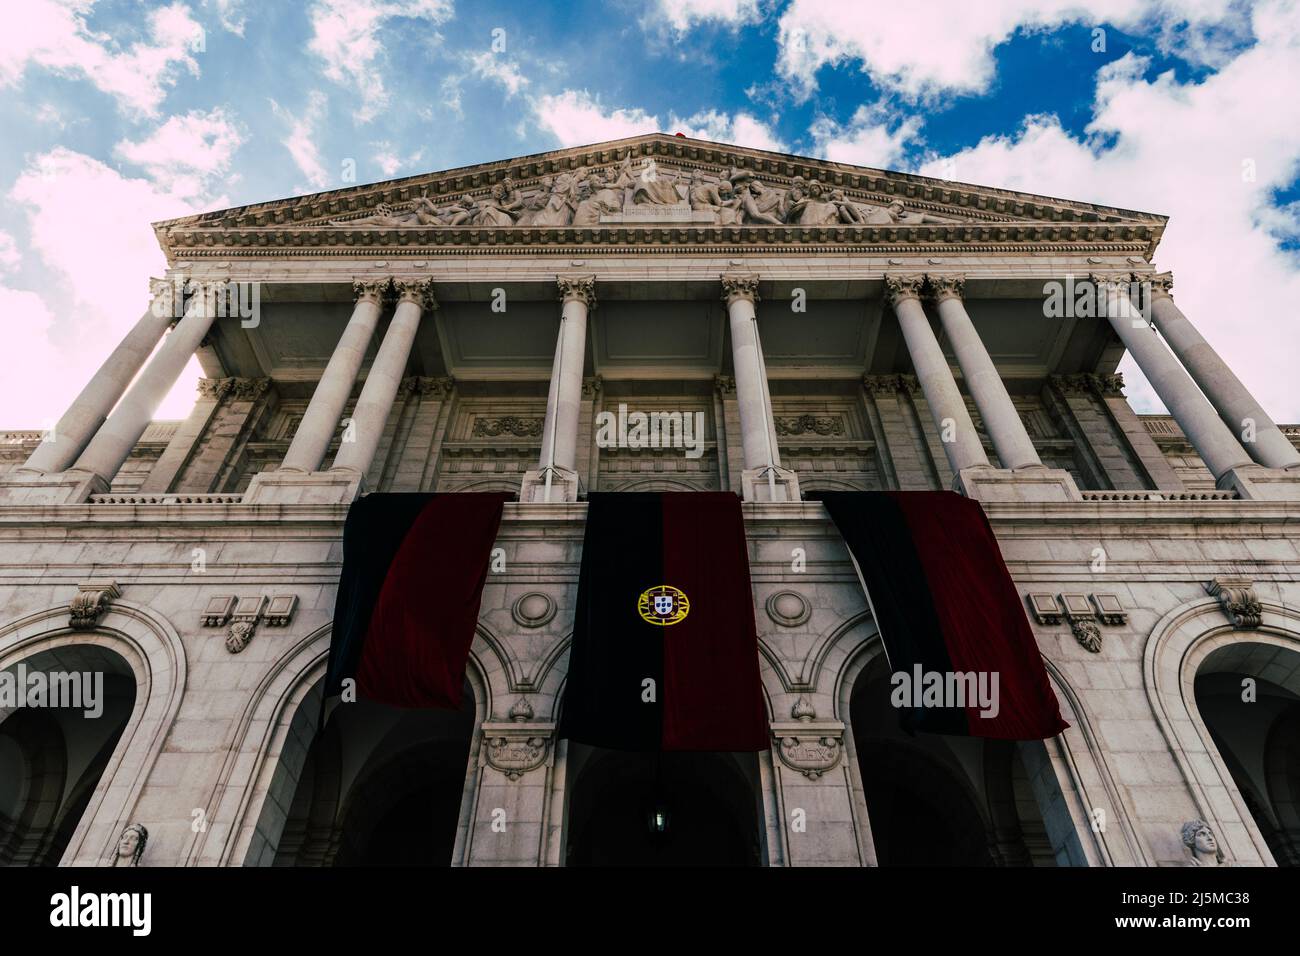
x=230, y=13
x=490, y=66
x=742, y=129
x=90, y=227
x=870, y=138
x=681, y=15
x=345, y=34
x=1179, y=149
x=189, y=154
x=924, y=48
x=9, y=254
x=576, y=118
x=390, y=163
x=53, y=34
x=300, y=139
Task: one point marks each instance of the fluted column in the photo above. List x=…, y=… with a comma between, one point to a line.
x=324, y=412
x=753, y=399
x=1216, y=445
x=1010, y=439
x=960, y=442
x=375, y=402
x=1235, y=405
x=90, y=408
x=564, y=398
x=112, y=444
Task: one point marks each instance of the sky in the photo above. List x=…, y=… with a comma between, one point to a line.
x=117, y=114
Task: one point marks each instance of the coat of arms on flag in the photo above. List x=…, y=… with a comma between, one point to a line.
x=663, y=605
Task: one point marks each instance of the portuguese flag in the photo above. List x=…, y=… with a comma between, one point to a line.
x=665, y=653
x=414, y=566
x=946, y=605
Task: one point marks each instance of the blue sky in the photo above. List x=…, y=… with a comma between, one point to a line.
x=116, y=114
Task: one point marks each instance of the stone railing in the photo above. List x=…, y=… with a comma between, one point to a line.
x=1159, y=495
x=166, y=499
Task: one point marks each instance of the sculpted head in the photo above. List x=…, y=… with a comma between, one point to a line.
x=1199, y=838
x=897, y=208
x=131, y=844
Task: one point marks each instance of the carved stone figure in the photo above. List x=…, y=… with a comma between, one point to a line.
x=896, y=214
x=651, y=186
x=715, y=198
x=561, y=201
x=1201, y=843
x=602, y=199
x=501, y=206
x=755, y=200
x=812, y=208
x=130, y=845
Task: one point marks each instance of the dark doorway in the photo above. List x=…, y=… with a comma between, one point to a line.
x=673, y=809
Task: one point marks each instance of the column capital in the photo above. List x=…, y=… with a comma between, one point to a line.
x=591, y=386
x=427, y=387
x=207, y=296
x=739, y=285
x=946, y=286
x=724, y=384
x=1111, y=281
x=577, y=288
x=880, y=384
x=1162, y=285
x=416, y=291
x=370, y=290
x=902, y=286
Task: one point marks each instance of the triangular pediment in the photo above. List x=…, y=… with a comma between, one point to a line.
x=629, y=191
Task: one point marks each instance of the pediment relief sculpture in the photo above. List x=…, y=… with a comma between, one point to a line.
x=645, y=194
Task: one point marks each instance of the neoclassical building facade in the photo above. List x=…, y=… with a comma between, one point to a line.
x=828, y=327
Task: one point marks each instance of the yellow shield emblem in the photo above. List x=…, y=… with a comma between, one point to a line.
x=663, y=605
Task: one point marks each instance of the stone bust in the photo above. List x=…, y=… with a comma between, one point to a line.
x=130, y=845
x=1201, y=843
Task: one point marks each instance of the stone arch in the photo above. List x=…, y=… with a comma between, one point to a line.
x=274, y=733
x=657, y=483
x=1198, y=638
x=150, y=648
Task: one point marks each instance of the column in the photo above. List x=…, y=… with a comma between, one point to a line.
x=376, y=400
x=1014, y=446
x=325, y=411
x=89, y=410
x=1234, y=403
x=754, y=401
x=564, y=398
x=1216, y=445
x=113, y=442
x=948, y=408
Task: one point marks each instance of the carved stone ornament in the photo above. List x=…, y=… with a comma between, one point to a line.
x=1162, y=284
x=418, y=291
x=1083, y=621
x=899, y=287
x=521, y=711
x=240, y=634
x=1237, y=595
x=788, y=608
x=422, y=386
x=371, y=290
x=810, y=424
x=802, y=749
x=1046, y=609
x=946, y=286
x=533, y=609
x=218, y=611
x=249, y=389
x=1110, y=609
x=215, y=389
x=803, y=710
x=591, y=386
x=279, y=610
x=724, y=384
x=516, y=748
x=90, y=602
x=1088, y=383
x=739, y=286
x=577, y=288
x=511, y=425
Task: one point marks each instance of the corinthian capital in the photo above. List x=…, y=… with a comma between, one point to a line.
x=903, y=286
x=417, y=291
x=1112, y=281
x=577, y=289
x=1162, y=284
x=370, y=290
x=946, y=286
x=739, y=285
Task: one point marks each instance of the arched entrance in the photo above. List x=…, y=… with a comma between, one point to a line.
x=52, y=758
x=1246, y=693
x=379, y=786
x=671, y=809
x=941, y=801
